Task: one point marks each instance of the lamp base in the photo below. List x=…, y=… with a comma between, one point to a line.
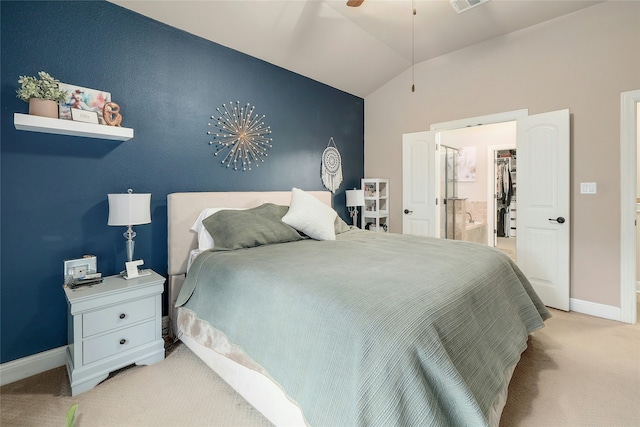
x=353, y=211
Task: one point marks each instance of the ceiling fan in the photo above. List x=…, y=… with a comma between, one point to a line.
x=354, y=3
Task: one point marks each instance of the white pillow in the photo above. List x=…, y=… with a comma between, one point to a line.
x=205, y=241
x=309, y=215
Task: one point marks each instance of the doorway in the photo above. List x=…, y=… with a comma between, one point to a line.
x=629, y=136
x=543, y=243
x=481, y=150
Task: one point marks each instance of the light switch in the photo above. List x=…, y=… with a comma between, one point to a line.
x=588, y=188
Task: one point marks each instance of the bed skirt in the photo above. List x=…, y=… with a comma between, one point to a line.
x=253, y=383
x=245, y=376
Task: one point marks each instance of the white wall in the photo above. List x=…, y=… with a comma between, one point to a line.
x=583, y=62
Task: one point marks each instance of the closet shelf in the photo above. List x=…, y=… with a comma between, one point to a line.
x=69, y=127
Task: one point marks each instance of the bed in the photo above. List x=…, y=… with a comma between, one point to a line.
x=358, y=328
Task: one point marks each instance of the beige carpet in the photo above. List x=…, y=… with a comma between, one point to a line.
x=508, y=246
x=578, y=371
x=179, y=391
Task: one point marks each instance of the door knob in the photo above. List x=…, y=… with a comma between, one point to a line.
x=408, y=212
x=559, y=220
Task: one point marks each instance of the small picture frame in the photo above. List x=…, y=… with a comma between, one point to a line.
x=78, y=268
x=84, y=116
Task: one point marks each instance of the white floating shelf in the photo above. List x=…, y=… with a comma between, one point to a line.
x=70, y=127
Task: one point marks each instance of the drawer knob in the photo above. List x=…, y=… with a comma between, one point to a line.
x=122, y=315
x=122, y=341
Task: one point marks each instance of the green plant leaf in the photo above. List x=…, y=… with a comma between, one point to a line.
x=71, y=415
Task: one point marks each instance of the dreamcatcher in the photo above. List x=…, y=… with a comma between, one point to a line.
x=331, y=167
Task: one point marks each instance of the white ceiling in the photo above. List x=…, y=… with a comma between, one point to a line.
x=356, y=50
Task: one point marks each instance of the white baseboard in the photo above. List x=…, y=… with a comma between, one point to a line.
x=31, y=365
x=595, y=309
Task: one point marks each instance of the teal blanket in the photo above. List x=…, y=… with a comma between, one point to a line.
x=373, y=329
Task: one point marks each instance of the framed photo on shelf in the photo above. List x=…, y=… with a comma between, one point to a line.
x=83, y=98
x=80, y=267
x=84, y=116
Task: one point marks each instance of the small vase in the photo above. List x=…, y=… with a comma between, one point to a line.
x=43, y=107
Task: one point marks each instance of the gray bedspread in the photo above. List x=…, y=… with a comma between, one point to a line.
x=373, y=329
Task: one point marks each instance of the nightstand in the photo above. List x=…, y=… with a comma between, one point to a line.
x=111, y=325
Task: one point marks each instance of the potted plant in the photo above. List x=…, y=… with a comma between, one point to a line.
x=42, y=94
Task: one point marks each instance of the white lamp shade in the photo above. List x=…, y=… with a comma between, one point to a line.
x=129, y=209
x=355, y=197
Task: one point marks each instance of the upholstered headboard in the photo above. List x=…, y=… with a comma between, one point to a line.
x=184, y=208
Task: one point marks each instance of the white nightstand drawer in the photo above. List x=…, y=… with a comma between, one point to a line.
x=117, y=342
x=117, y=316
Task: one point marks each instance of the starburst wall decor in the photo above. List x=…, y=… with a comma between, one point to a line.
x=240, y=131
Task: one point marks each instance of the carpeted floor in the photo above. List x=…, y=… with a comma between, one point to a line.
x=179, y=391
x=578, y=371
x=508, y=246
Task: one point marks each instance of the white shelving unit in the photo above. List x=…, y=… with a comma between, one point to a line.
x=375, y=212
x=512, y=207
x=69, y=127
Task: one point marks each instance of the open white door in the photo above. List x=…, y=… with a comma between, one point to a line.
x=420, y=166
x=543, y=205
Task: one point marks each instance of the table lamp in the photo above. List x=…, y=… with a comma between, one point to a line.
x=355, y=198
x=128, y=210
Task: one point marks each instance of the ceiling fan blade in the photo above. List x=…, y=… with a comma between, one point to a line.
x=354, y=3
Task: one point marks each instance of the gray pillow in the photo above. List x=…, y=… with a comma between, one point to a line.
x=340, y=225
x=237, y=229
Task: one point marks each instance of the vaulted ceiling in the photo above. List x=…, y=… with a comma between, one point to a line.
x=356, y=50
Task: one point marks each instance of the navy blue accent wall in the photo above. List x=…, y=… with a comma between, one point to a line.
x=168, y=83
